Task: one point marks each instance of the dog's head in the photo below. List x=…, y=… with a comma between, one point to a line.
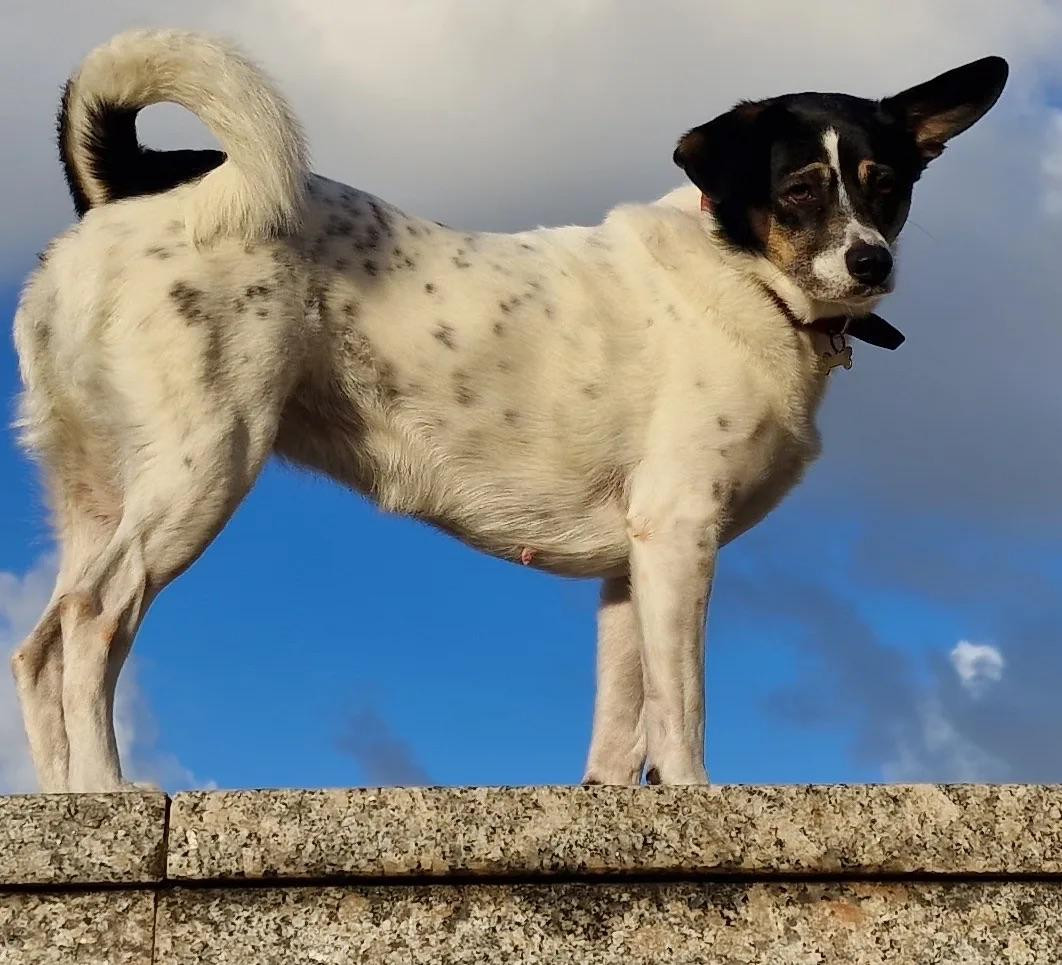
x=820, y=184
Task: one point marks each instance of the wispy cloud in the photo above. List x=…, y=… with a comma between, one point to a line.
x=22, y=599
x=384, y=758
x=964, y=712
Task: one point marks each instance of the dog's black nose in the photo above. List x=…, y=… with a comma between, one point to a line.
x=870, y=264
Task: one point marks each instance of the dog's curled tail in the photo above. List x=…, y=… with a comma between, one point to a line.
x=255, y=188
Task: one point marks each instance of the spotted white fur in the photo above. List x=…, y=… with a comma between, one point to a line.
x=615, y=401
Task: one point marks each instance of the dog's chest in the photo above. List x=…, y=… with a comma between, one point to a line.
x=764, y=467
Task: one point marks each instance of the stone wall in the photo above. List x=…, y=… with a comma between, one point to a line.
x=733, y=874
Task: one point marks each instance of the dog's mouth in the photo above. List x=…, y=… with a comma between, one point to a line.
x=854, y=301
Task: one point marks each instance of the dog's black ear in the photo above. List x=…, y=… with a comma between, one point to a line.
x=937, y=110
x=716, y=155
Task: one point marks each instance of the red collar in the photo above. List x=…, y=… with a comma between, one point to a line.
x=869, y=328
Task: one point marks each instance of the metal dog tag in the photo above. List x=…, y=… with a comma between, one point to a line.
x=841, y=352
x=840, y=357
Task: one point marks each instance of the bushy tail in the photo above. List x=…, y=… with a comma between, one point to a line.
x=254, y=188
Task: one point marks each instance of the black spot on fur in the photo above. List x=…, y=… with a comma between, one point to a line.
x=429, y=288
x=699, y=383
x=257, y=291
x=592, y=391
x=511, y=416
x=159, y=252
x=723, y=422
x=188, y=462
x=370, y=267
x=189, y=302
x=378, y=214
x=262, y=313
x=505, y=307
x=350, y=309
x=445, y=333
x=339, y=226
x=526, y=246
x=717, y=490
x=116, y=159
x=459, y=261
x=463, y=392
x=499, y=328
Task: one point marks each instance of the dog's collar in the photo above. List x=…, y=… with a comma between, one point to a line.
x=869, y=328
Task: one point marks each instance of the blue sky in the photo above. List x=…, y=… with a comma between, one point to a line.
x=319, y=642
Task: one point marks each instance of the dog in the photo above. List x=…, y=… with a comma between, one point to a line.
x=614, y=402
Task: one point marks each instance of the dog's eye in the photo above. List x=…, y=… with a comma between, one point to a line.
x=882, y=181
x=800, y=193
x=879, y=179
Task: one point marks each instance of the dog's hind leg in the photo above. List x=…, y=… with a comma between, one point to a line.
x=617, y=746
x=85, y=521
x=37, y=665
x=181, y=488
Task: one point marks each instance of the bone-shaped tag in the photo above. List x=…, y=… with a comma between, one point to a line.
x=841, y=357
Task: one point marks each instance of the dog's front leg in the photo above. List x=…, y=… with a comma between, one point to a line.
x=617, y=747
x=673, y=543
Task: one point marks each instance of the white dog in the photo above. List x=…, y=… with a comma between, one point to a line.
x=614, y=402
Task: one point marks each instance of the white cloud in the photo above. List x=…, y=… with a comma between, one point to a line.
x=22, y=599
x=978, y=665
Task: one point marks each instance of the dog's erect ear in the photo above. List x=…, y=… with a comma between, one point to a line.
x=715, y=156
x=947, y=105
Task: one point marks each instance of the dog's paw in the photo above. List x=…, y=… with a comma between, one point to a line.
x=693, y=777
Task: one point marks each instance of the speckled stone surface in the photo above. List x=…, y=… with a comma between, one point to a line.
x=790, y=923
x=89, y=928
x=59, y=839
x=432, y=832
